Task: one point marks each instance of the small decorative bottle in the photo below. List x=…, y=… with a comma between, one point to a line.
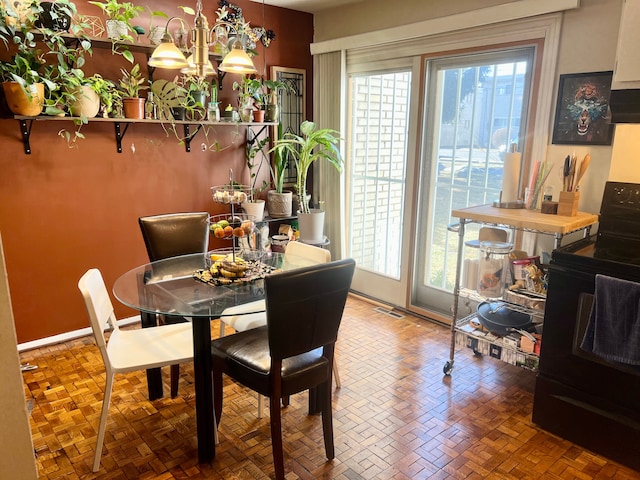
x=213, y=112
x=150, y=108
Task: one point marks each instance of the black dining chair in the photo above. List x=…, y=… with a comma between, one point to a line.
x=169, y=235
x=294, y=351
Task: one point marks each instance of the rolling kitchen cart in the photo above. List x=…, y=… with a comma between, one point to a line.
x=522, y=220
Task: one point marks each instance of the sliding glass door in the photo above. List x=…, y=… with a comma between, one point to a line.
x=377, y=180
x=475, y=107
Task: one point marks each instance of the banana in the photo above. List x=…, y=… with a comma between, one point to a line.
x=228, y=274
x=234, y=267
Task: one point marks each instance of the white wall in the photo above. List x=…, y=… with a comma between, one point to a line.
x=588, y=44
x=17, y=460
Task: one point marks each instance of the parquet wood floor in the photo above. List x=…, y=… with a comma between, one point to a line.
x=396, y=417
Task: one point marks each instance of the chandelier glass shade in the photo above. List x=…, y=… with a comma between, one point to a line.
x=167, y=55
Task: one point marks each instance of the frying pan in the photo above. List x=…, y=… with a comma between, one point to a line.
x=500, y=320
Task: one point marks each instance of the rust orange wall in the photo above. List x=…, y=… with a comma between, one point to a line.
x=64, y=210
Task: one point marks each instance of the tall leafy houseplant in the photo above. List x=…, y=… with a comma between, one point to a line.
x=279, y=201
x=279, y=167
x=314, y=144
x=255, y=156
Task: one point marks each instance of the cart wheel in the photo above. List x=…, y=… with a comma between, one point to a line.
x=448, y=367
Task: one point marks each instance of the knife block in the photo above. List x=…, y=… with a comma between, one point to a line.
x=568, y=204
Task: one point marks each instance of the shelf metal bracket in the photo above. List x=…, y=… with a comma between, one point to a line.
x=120, y=134
x=256, y=135
x=188, y=136
x=25, y=130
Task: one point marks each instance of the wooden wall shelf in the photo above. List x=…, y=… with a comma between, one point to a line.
x=121, y=125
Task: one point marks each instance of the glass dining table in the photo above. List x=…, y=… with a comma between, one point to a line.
x=170, y=287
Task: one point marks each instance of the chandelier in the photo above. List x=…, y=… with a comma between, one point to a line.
x=168, y=55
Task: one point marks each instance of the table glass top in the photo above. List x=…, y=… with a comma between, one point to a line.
x=169, y=286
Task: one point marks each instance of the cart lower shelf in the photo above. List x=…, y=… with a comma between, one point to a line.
x=482, y=342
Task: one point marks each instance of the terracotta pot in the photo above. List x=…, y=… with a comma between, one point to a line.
x=133, y=107
x=20, y=102
x=258, y=116
x=87, y=102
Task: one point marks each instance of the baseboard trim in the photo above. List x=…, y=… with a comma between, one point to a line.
x=63, y=337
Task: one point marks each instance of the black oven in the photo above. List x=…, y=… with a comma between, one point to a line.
x=579, y=395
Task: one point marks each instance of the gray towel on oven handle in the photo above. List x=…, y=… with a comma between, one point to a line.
x=613, y=332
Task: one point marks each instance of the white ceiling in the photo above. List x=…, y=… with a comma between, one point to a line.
x=310, y=6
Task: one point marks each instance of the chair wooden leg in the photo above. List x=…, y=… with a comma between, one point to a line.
x=260, y=406
x=175, y=377
x=217, y=391
x=276, y=436
x=327, y=419
x=106, y=401
x=336, y=375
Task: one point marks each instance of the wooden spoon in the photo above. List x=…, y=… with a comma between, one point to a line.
x=582, y=170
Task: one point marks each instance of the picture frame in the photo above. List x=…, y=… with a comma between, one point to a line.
x=582, y=109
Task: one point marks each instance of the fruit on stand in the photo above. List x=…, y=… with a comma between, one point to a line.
x=224, y=196
x=233, y=227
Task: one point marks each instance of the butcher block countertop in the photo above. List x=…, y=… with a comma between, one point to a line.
x=526, y=219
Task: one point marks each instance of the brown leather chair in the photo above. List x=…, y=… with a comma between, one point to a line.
x=165, y=236
x=175, y=234
x=294, y=351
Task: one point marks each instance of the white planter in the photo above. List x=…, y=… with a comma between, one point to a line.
x=116, y=29
x=87, y=102
x=311, y=226
x=256, y=209
x=155, y=35
x=280, y=204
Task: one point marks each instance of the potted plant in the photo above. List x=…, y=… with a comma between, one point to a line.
x=156, y=32
x=249, y=90
x=255, y=156
x=270, y=99
x=109, y=94
x=314, y=144
x=278, y=201
x=119, y=16
x=170, y=100
x=56, y=16
x=131, y=83
x=197, y=91
x=23, y=82
x=91, y=95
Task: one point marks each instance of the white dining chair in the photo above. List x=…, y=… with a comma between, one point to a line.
x=296, y=254
x=128, y=350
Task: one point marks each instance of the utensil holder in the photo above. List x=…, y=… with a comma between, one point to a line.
x=568, y=204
